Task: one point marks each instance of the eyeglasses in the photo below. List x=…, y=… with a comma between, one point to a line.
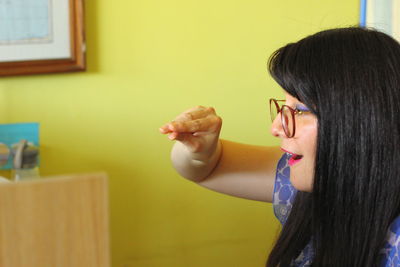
x=287, y=116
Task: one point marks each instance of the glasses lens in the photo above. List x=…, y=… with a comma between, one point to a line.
x=273, y=109
x=287, y=121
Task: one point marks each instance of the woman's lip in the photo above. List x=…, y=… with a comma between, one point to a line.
x=284, y=150
x=293, y=158
x=293, y=161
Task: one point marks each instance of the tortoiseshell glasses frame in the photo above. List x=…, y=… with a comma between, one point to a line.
x=288, y=114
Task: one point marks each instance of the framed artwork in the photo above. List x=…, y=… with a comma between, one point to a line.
x=41, y=36
x=383, y=15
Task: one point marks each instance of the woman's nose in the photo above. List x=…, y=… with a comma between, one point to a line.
x=276, y=127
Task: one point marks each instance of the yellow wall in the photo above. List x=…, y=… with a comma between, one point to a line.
x=147, y=61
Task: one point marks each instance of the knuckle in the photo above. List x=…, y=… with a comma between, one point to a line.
x=211, y=110
x=217, y=120
x=176, y=124
x=188, y=115
x=196, y=125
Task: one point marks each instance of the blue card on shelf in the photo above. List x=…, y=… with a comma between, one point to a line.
x=11, y=135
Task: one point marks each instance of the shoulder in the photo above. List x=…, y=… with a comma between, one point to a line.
x=391, y=249
x=284, y=192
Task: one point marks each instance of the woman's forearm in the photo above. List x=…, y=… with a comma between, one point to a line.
x=195, y=166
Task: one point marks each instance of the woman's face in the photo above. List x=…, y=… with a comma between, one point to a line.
x=303, y=143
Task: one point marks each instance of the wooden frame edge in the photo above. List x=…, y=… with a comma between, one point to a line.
x=77, y=62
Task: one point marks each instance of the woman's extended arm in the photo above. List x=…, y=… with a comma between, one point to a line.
x=240, y=170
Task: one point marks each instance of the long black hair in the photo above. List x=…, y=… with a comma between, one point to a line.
x=350, y=79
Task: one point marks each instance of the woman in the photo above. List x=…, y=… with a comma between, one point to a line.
x=337, y=187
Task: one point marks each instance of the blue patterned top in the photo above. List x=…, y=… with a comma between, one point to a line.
x=283, y=198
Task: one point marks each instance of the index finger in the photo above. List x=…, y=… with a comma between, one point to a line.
x=209, y=123
x=195, y=113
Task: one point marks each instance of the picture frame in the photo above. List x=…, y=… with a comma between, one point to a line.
x=42, y=36
x=383, y=15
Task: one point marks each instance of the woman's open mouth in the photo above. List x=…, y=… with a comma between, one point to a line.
x=293, y=158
